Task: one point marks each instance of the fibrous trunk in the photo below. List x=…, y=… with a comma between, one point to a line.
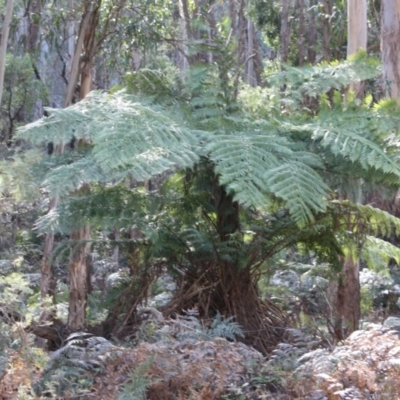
x=222, y=285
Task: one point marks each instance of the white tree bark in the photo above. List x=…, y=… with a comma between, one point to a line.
x=3, y=45
x=251, y=78
x=356, y=34
x=390, y=47
x=356, y=25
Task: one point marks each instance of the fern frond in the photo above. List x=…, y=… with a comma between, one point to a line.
x=225, y=328
x=128, y=139
x=254, y=165
x=70, y=177
x=315, y=80
x=136, y=387
x=302, y=189
x=376, y=221
x=350, y=137
x=377, y=253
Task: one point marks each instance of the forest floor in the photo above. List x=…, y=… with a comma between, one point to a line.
x=175, y=361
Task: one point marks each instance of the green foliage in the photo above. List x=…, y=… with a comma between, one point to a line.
x=22, y=91
x=256, y=160
x=135, y=388
x=68, y=372
x=378, y=253
x=129, y=139
x=18, y=178
x=279, y=159
x=225, y=328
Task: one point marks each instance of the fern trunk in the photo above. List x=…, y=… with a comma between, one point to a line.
x=237, y=294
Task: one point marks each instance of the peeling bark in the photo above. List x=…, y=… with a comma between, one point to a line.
x=78, y=279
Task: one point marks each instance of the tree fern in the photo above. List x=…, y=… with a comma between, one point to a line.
x=257, y=160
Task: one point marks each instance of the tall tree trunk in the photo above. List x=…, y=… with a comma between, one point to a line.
x=76, y=60
x=78, y=279
x=390, y=47
x=185, y=32
x=47, y=282
x=311, y=35
x=348, y=298
x=348, y=312
x=326, y=30
x=47, y=279
x=357, y=34
x=285, y=30
x=251, y=77
x=301, y=40
x=79, y=273
x=3, y=45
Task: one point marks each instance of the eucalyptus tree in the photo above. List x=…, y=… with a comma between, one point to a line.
x=4, y=42
x=390, y=34
x=346, y=297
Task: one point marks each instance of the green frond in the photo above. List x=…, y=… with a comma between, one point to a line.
x=351, y=136
x=377, y=253
x=127, y=138
x=241, y=160
x=61, y=126
x=157, y=84
x=104, y=207
x=70, y=177
x=18, y=178
x=315, y=80
x=376, y=221
x=301, y=187
x=225, y=327
x=136, y=386
x=255, y=166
